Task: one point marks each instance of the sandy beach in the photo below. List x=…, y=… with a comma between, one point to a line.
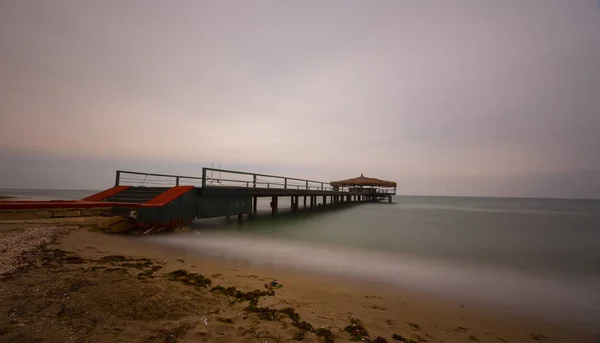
x=89, y=286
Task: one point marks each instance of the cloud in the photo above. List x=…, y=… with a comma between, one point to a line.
x=447, y=91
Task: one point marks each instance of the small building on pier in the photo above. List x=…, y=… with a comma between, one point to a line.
x=365, y=185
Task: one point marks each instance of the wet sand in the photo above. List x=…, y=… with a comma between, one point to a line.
x=114, y=294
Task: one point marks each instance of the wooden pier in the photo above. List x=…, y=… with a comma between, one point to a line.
x=224, y=193
x=147, y=200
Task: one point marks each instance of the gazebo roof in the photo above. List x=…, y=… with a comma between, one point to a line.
x=363, y=181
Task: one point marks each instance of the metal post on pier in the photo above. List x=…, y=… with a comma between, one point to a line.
x=117, y=178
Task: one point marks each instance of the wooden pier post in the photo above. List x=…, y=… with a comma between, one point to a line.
x=390, y=199
x=324, y=200
x=312, y=202
x=305, y=202
x=274, y=206
x=240, y=217
x=254, y=207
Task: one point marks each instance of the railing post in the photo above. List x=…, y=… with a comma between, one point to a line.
x=203, y=177
x=306, y=186
x=117, y=178
x=254, y=182
x=285, y=183
x=321, y=185
x=176, y=180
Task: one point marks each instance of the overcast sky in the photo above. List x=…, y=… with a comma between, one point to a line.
x=462, y=97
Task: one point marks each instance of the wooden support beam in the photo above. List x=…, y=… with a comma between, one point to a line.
x=254, y=206
x=305, y=201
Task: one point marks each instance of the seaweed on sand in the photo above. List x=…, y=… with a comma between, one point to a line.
x=187, y=278
x=356, y=330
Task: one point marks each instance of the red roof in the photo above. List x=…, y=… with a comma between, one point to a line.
x=363, y=181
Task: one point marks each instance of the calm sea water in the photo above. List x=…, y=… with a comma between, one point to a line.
x=537, y=257
x=48, y=194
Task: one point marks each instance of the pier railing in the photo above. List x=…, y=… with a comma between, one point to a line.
x=226, y=178
x=212, y=177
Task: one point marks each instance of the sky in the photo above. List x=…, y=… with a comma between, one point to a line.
x=462, y=97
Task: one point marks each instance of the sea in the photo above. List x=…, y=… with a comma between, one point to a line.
x=535, y=257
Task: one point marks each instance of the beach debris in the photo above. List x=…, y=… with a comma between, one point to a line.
x=172, y=335
x=356, y=330
x=264, y=313
x=113, y=259
x=187, y=278
x=537, y=337
x=273, y=285
x=379, y=339
x=58, y=255
x=180, y=260
x=240, y=296
x=461, y=329
x=291, y=313
x=303, y=329
x=400, y=338
x=473, y=338
x=149, y=230
x=225, y=320
x=204, y=320
x=414, y=326
x=326, y=334
x=140, y=263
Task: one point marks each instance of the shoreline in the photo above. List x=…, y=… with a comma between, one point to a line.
x=323, y=301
